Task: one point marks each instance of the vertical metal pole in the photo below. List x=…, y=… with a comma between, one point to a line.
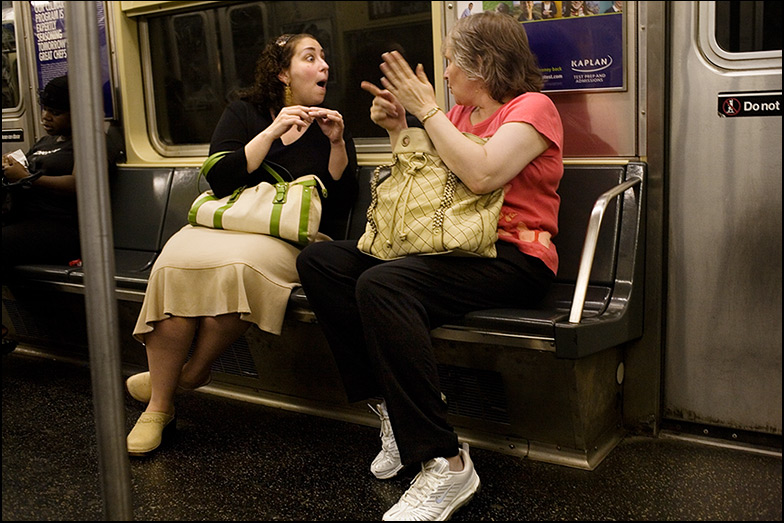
x=95, y=229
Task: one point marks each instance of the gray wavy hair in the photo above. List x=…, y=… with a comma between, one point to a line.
x=493, y=47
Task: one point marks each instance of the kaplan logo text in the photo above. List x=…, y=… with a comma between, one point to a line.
x=591, y=65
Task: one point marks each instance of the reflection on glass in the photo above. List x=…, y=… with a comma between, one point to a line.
x=10, y=64
x=201, y=56
x=743, y=27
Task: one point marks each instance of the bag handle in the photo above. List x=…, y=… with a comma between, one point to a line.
x=273, y=172
x=280, y=179
x=210, y=161
x=215, y=157
x=206, y=166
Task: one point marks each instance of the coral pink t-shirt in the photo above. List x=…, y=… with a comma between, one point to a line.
x=529, y=216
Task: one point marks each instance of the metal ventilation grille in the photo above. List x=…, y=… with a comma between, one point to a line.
x=25, y=323
x=474, y=393
x=236, y=360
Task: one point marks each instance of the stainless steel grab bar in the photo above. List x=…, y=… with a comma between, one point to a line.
x=589, y=247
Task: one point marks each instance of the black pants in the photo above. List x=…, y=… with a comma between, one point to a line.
x=377, y=318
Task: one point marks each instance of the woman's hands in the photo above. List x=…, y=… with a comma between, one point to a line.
x=331, y=123
x=404, y=91
x=299, y=116
x=413, y=91
x=385, y=111
x=289, y=117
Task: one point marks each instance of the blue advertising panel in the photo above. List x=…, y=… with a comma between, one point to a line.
x=579, y=53
x=579, y=45
x=51, y=46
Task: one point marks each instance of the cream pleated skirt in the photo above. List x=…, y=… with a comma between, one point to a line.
x=209, y=272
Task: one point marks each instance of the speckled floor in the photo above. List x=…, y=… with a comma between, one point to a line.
x=239, y=461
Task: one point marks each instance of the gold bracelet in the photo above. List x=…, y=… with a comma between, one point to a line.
x=430, y=114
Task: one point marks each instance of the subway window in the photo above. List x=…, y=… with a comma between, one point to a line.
x=201, y=57
x=746, y=26
x=10, y=63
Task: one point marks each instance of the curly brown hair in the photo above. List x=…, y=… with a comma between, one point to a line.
x=267, y=89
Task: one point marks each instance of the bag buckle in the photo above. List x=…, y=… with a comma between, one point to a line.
x=280, y=192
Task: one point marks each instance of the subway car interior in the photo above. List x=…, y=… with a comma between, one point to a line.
x=645, y=386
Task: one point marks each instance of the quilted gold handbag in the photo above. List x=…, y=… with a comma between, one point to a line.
x=287, y=210
x=421, y=207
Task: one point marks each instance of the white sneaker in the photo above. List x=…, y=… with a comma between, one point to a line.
x=387, y=463
x=436, y=492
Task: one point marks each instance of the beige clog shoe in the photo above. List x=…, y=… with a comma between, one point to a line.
x=149, y=432
x=140, y=388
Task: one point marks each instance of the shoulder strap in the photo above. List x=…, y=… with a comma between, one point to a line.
x=273, y=172
x=210, y=161
x=214, y=158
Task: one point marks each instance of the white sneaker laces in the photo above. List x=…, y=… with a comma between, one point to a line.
x=423, y=485
x=387, y=438
x=388, y=444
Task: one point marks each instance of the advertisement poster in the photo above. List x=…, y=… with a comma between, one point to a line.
x=579, y=45
x=51, y=50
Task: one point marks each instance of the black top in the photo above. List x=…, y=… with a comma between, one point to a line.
x=241, y=122
x=51, y=156
x=54, y=156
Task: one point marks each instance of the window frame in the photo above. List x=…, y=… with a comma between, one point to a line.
x=18, y=109
x=715, y=54
x=366, y=145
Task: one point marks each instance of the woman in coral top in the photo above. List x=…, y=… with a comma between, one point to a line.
x=377, y=315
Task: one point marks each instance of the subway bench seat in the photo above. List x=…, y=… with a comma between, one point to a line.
x=544, y=383
x=596, y=300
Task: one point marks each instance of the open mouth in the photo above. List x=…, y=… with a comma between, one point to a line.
x=322, y=83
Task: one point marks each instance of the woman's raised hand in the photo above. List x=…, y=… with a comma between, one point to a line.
x=413, y=91
x=386, y=111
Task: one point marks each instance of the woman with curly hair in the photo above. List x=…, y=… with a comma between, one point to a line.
x=209, y=285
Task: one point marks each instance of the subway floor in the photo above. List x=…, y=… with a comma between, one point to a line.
x=232, y=461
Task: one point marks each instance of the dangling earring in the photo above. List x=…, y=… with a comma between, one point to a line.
x=287, y=99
